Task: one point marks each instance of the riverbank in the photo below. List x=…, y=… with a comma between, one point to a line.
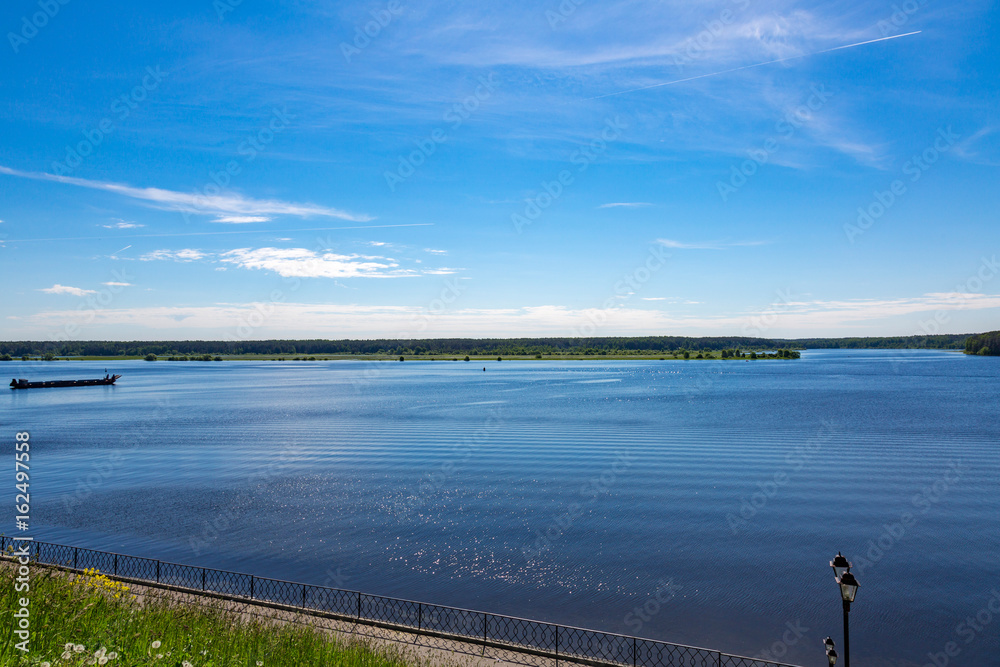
x=79, y=619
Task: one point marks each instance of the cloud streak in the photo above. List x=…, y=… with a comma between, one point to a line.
x=66, y=289
x=230, y=204
x=744, y=67
x=708, y=245
x=304, y=263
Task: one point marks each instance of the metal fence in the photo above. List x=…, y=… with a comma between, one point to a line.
x=558, y=642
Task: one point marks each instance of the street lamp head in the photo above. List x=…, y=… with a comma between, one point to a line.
x=831, y=657
x=839, y=565
x=828, y=643
x=848, y=586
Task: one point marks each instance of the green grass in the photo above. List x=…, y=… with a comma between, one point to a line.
x=65, y=612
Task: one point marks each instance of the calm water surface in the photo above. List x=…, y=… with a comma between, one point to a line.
x=564, y=491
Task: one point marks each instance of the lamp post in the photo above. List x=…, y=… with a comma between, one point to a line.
x=848, y=591
x=831, y=653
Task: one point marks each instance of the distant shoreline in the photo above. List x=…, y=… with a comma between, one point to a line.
x=447, y=357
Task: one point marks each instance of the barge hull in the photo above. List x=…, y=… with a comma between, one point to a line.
x=24, y=384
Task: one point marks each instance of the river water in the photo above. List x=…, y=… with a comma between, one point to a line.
x=696, y=502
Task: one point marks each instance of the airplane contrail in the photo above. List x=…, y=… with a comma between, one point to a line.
x=125, y=248
x=242, y=231
x=737, y=69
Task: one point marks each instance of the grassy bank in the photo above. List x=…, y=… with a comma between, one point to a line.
x=82, y=620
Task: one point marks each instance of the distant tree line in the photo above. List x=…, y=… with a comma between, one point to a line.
x=513, y=347
x=985, y=344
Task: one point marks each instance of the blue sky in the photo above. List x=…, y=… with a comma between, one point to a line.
x=257, y=169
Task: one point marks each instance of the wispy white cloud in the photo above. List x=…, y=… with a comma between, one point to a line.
x=184, y=255
x=221, y=204
x=242, y=219
x=625, y=204
x=981, y=147
x=65, y=289
x=436, y=252
x=117, y=284
x=305, y=263
x=123, y=224
x=708, y=245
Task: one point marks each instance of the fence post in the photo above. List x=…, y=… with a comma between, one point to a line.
x=251, y=587
x=420, y=616
x=359, y=605
x=557, y=645
x=633, y=652
x=76, y=553
x=157, y=571
x=116, y=565
x=202, y=578
x=303, y=596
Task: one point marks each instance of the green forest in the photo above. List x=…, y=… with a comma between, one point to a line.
x=985, y=344
x=510, y=347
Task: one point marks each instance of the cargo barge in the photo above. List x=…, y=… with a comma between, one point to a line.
x=24, y=384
